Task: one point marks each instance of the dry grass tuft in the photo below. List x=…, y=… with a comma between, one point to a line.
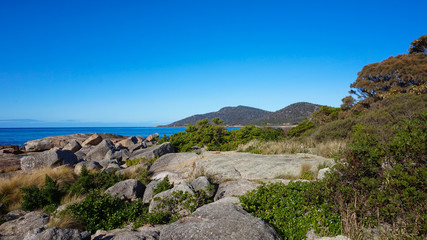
x=10, y=194
x=325, y=149
x=65, y=220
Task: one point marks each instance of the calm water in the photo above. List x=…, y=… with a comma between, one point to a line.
x=18, y=136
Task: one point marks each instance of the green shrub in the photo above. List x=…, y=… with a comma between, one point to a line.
x=386, y=179
x=300, y=128
x=217, y=138
x=338, y=129
x=48, y=196
x=97, y=180
x=293, y=209
x=102, y=211
x=162, y=186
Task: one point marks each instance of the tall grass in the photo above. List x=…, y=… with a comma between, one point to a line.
x=331, y=148
x=10, y=194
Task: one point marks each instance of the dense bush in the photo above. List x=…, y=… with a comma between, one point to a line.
x=338, y=129
x=300, y=128
x=162, y=186
x=47, y=197
x=102, y=211
x=385, y=179
x=97, y=180
x=217, y=138
x=293, y=209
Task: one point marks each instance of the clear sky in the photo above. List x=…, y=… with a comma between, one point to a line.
x=144, y=63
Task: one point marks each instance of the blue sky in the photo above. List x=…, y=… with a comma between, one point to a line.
x=144, y=63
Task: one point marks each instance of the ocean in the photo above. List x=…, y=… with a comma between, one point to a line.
x=18, y=136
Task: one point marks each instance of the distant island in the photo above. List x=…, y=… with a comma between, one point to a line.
x=243, y=115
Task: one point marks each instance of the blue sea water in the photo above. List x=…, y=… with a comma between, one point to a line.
x=18, y=136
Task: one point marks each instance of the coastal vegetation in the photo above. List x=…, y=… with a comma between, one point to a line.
x=376, y=189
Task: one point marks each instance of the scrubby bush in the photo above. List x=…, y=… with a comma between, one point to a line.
x=293, y=209
x=47, y=197
x=300, y=128
x=102, y=211
x=162, y=186
x=385, y=180
x=97, y=180
x=217, y=138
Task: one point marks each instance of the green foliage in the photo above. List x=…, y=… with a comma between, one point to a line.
x=35, y=198
x=163, y=139
x=338, y=129
x=385, y=178
x=419, y=45
x=325, y=114
x=181, y=204
x=300, y=128
x=102, y=211
x=217, y=138
x=217, y=120
x=162, y=186
x=293, y=209
x=98, y=180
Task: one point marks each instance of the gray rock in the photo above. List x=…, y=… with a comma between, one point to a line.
x=179, y=163
x=203, y=184
x=154, y=204
x=121, y=155
x=139, y=168
x=99, y=152
x=104, y=163
x=12, y=215
x=57, y=234
x=51, y=158
x=73, y=146
x=90, y=165
x=322, y=172
x=18, y=228
x=128, y=142
x=94, y=140
x=40, y=145
x=152, y=137
x=126, y=234
x=137, y=146
x=219, y=221
x=130, y=189
x=148, y=193
x=234, y=188
x=81, y=154
x=153, y=152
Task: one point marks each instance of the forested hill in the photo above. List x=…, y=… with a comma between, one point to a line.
x=243, y=115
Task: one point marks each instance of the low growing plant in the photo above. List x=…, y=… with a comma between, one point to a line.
x=47, y=197
x=293, y=209
x=162, y=186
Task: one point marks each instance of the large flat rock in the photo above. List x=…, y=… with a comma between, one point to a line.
x=236, y=165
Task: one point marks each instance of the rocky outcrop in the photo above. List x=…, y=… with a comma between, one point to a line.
x=99, y=152
x=154, y=204
x=153, y=152
x=128, y=142
x=73, y=146
x=57, y=234
x=203, y=184
x=93, y=140
x=126, y=234
x=61, y=141
x=219, y=221
x=130, y=189
x=90, y=165
x=234, y=188
x=18, y=228
x=152, y=137
x=51, y=158
x=148, y=193
x=38, y=146
x=322, y=173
